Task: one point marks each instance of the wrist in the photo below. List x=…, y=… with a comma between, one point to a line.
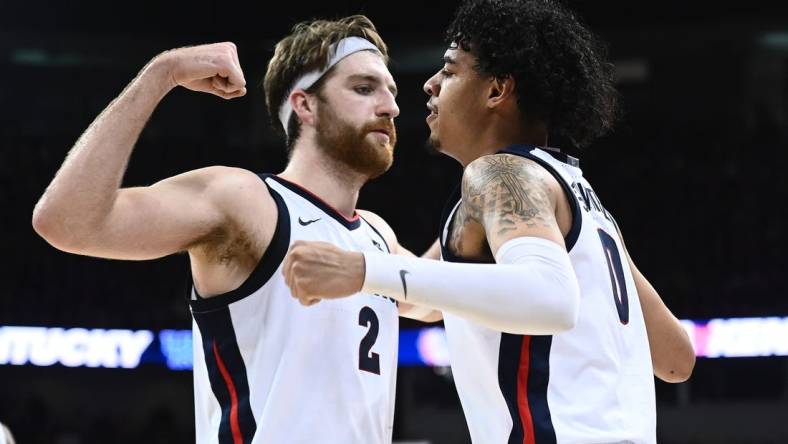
x=159, y=73
x=383, y=276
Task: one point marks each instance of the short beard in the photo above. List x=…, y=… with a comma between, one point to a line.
x=348, y=145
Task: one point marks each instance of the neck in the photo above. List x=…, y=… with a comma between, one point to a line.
x=325, y=178
x=498, y=136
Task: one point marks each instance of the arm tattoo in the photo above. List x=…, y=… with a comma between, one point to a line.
x=503, y=192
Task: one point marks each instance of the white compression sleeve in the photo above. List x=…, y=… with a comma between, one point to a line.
x=532, y=289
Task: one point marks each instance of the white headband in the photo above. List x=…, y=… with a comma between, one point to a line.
x=338, y=51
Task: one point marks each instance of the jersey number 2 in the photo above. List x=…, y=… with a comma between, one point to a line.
x=367, y=359
x=617, y=279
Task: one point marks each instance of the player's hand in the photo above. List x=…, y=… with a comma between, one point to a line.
x=319, y=270
x=210, y=68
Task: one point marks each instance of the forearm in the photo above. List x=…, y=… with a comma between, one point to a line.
x=536, y=293
x=84, y=189
x=672, y=354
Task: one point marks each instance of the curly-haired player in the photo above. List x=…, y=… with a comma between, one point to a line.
x=554, y=334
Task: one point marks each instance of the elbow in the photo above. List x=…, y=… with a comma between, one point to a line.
x=676, y=362
x=686, y=370
x=677, y=366
x=52, y=227
x=44, y=223
x=555, y=315
x=565, y=319
x=547, y=323
x=561, y=311
x=678, y=370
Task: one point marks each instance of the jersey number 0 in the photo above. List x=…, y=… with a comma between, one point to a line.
x=617, y=280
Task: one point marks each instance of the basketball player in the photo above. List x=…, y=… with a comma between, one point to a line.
x=554, y=335
x=266, y=369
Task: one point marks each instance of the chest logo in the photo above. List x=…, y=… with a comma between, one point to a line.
x=307, y=222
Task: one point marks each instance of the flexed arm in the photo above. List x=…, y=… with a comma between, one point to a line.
x=84, y=211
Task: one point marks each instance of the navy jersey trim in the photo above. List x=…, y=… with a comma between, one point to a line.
x=388, y=249
x=523, y=375
x=228, y=377
x=577, y=216
x=538, y=378
x=350, y=224
x=273, y=256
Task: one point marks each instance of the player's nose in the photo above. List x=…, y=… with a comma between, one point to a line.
x=388, y=106
x=432, y=85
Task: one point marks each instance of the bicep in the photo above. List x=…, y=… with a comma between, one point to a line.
x=164, y=218
x=511, y=197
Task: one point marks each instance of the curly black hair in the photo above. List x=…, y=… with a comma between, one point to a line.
x=559, y=67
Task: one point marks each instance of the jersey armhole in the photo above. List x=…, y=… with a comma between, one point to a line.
x=388, y=249
x=263, y=271
x=577, y=216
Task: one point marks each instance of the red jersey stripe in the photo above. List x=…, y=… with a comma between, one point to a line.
x=234, y=425
x=522, y=391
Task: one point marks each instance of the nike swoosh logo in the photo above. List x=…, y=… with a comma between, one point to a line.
x=307, y=222
x=402, y=274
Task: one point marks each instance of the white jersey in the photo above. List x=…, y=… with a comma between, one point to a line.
x=592, y=384
x=269, y=370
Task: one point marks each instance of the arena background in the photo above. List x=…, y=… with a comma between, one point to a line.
x=694, y=174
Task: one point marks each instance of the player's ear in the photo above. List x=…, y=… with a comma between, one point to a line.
x=304, y=106
x=500, y=90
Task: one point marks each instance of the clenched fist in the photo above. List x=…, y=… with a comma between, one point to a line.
x=319, y=270
x=210, y=68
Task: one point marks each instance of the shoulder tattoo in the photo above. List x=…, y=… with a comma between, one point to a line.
x=503, y=192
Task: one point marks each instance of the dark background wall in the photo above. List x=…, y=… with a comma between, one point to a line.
x=694, y=174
